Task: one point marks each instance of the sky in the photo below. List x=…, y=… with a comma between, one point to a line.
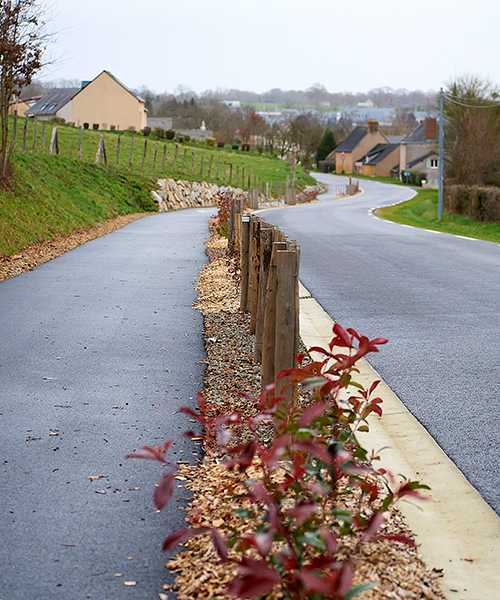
x=258, y=45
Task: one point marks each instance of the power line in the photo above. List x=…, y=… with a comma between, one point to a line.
x=450, y=98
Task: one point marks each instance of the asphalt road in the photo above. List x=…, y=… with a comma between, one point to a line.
x=98, y=349
x=435, y=296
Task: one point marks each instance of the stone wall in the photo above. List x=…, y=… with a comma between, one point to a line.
x=176, y=195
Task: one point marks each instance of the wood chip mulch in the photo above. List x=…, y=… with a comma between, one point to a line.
x=397, y=570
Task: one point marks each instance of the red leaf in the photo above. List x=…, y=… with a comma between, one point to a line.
x=329, y=540
x=399, y=538
x=164, y=491
x=220, y=544
x=313, y=448
x=314, y=584
x=180, y=536
x=255, y=579
x=373, y=525
x=312, y=412
x=264, y=542
x=303, y=511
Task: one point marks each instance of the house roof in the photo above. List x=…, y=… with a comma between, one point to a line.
x=58, y=98
x=53, y=101
x=417, y=136
x=420, y=159
x=378, y=153
x=352, y=140
x=395, y=139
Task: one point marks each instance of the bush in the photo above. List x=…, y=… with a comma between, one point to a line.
x=170, y=133
x=187, y=138
x=112, y=127
x=210, y=141
x=478, y=203
x=235, y=147
x=159, y=132
x=221, y=144
x=146, y=131
x=95, y=126
x=85, y=125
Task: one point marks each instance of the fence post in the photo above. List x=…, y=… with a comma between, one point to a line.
x=225, y=164
x=164, y=156
x=14, y=133
x=118, y=143
x=266, y=247
x=230, y=173
x=184, y=160
x=54, y=144
x=269, y=331
x=218, y=165
x=131, y=152
x=285, y=317
x=25, y=132
x=210, y=165
x=154, y=156
x=33, y=149
x=245, y=240
x=237, y=176
x=175, y=156
x=192, y=162
x=202, y=160
x=253, y=274
x=43, y=136
x=144, y=152
x=243, y=178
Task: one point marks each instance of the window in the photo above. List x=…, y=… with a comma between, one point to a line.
x=434, y=163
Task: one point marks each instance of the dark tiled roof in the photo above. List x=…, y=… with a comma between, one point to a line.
x=352, y=140
x=378, y=153
x=53, y=101
x=417, y=136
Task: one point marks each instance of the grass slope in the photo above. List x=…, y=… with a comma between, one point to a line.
x=54, y=194
x=422, y=211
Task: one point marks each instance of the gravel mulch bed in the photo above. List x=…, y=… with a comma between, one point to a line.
x=397, y=569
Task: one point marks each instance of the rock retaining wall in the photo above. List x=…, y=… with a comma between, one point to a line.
x=175, y=195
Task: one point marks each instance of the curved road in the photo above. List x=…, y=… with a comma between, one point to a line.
x=435, y=296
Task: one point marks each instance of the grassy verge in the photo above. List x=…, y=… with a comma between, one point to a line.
x=392, y=180
x=422, y=211
x=55, y=194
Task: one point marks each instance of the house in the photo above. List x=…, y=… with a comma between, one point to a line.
x=356, y=145
x=379, y=161
x=419, y=151
x=103, y=103
x=21, y=105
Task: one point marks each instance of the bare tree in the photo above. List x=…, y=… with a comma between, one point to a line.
x=23, y=40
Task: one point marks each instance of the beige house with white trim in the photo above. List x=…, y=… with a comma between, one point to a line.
x=103, y=103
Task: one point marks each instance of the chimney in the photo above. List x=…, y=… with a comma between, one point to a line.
x=373, y=125
x=431, y=129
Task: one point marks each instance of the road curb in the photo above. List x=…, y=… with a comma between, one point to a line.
x=456, y=529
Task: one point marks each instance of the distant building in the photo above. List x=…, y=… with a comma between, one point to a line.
x=103, y=103
x=379, y=161
x=21, y=105
x=232, y=103
x=419, y=151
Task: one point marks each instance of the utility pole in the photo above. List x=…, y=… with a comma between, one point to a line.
x=441, y=138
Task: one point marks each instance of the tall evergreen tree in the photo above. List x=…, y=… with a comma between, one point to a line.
x=326, y=146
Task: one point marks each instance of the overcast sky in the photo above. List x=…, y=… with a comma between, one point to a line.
x=258, y=45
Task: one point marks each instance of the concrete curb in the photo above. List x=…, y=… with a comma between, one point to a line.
x=456, y=529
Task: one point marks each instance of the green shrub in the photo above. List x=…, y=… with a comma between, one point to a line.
x=210, y=141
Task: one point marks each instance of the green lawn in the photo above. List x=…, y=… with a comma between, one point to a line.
x=422, y=211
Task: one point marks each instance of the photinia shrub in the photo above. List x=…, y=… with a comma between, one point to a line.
x=294, y=485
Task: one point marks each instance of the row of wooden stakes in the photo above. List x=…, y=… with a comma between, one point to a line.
x=269, y=264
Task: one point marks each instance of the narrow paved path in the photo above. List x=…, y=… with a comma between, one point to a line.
x=98, y=350
x=436, y=298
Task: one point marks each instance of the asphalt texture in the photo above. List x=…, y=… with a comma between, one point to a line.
x=435, y=296
x=99, y=348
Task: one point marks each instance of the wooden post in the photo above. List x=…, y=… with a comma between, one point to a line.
x=184, y=160
x=192, y=162
x=202, y=160
x=243, y=178
x=237, y=176
x=285, y=317
x=14, y=133
x=79, y=143
x=175, y=156
x=248, y=186
x=218, y=165
x=255, y=180
x=253, y=275
x=164, y=156
x=297, y=302
x=266, y=246
x=230, y=173
x=210, y=165
x=269, y=330
x=33, y=148
x=225, y=164
x=118, y=143
x=131, y=151
x=154, y=156
x=43, y=136
x=25, y=132
x=54, y=144
x=245, y=240
x=144, y=153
